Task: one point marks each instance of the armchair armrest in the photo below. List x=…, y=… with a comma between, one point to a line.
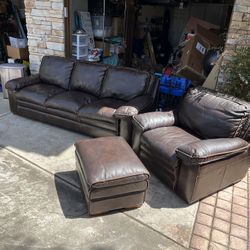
x=211, y=150
x=154, y=120
x=19, y=83
x=135, y=106
x=148, y=121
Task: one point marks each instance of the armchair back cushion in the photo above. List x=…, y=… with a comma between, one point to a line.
x=56, y=70
x=211, y=115
x=88, y=77
x=124, y=84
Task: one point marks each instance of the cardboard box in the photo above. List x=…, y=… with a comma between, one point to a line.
x=193, y=23
x=191, y=64
x=106, y=49
x=209, y=36
x=18, y=53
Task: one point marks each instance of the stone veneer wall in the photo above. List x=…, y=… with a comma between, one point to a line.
x=238, y=33
x=45, y=25
x=239, y=30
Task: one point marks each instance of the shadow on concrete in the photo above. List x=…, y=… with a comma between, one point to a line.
x=160, y=196
x=32, y=136
x=70, y=195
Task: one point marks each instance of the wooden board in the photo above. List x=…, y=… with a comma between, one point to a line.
x=212, y=78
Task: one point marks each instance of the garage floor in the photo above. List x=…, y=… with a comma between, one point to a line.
x=41, y=204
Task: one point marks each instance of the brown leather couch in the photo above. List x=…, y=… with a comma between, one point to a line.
x=198, y=149
x=95, y=99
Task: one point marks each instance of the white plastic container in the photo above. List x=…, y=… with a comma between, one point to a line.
x=9, y=71
x=79, y=39
x=80, y=46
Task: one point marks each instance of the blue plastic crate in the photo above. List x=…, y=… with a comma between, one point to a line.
x=174, y=85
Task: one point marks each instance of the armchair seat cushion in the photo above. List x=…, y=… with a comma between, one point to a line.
x=102, y=109
x=162, y=143
x=38, y=93
x=70, y=101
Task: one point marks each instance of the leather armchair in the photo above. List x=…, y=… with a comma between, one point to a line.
x=199, y=148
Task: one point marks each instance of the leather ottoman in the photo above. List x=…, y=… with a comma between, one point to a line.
x=111, y=174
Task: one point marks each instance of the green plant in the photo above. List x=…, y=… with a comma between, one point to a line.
x=237, y=75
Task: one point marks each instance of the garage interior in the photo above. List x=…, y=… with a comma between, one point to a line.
x=174, y=37
x=156, y=35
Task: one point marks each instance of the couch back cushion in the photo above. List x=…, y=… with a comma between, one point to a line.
x=124, y=83
x=214, y=115
x=88, y=77
x=56, y=70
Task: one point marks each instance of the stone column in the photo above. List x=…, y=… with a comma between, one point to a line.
x=45, y=25
x=238, y=33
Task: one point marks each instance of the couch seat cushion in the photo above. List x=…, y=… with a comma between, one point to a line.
x=158, y=147
x=70, y=101
x=38, y=93
x=101, y=110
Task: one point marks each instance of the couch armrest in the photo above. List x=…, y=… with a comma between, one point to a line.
x=211, y=150
x=148, y=121
x=19, y=83
x=135, y=106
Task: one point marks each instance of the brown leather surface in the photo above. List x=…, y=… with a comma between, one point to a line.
x=69, y=121
x=109, y=162
x=182, y=156
x=102, y=109
x=38, y=93
x=56, y=70
x=206, y=151
x=154, y=120
x=88, y=77
x=198, y=181
x=124, y=83
x=149, y=121
x=70, y=101
x=222, y=116
x=160, y=144
x=94, y=117
x=19, y=83
x=112, y=176
x=31, y=105
x=142, y=103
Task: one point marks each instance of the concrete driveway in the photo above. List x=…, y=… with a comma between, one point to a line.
x=42, y=207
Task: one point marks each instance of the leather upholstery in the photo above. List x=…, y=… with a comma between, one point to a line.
x=111, y=174
x=103, y=109
x=56, y=70
x=198, y=149
x=19, y=83
x=88, y=77
x=150, y=121
x=207, y=151
x=220, y=114
x=161, y=143
x=66, y=92
x=70, y=101
x=125, y=86
x=38, y=93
